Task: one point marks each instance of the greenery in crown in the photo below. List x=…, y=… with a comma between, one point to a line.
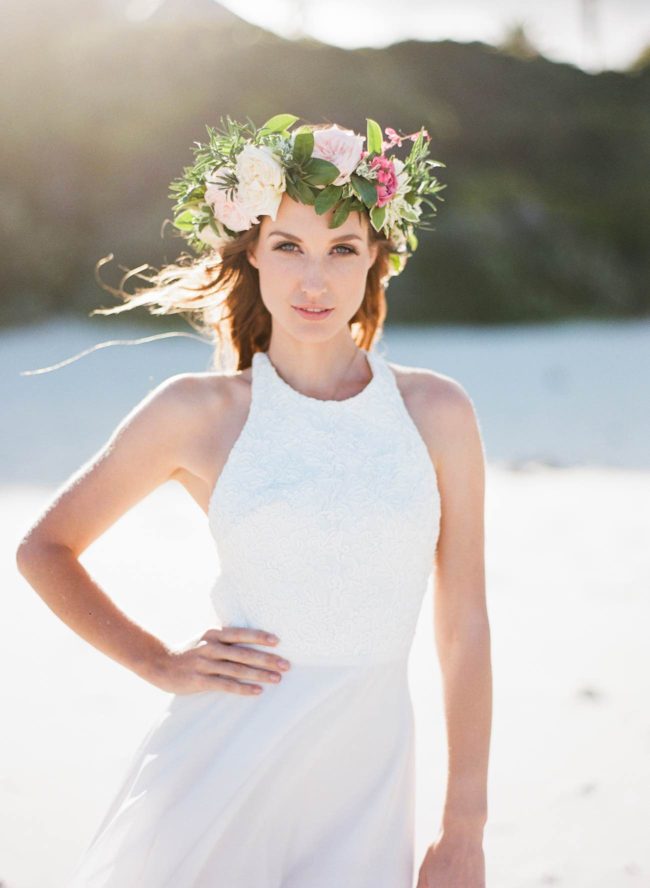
x=242, y=172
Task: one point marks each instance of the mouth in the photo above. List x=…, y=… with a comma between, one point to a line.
x=313, y=312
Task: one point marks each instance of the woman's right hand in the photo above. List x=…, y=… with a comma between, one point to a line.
x=218, y=661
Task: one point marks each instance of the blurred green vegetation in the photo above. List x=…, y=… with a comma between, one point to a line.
x=546, y=212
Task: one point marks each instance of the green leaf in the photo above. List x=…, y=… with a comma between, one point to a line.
x=327, y=198
x=278, y=123
x=340, y=214
x=303, y=146
x=378, y=217
x=357, y=205
x=410, y=215
x=374, y=138
x=320, y=172
x=196, y=202
x=412, y=241
x=185, y=221
x=418, y=144
x=291, y=189
x=396, y=261
x=365, y=189
x=213, y=226
x=306, y=194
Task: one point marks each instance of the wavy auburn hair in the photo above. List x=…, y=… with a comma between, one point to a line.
x=219, y=294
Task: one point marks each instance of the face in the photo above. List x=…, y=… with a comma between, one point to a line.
x=302, y=262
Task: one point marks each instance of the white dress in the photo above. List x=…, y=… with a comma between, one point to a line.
x=326, y=519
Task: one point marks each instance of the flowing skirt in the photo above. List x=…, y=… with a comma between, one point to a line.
x=310, y=784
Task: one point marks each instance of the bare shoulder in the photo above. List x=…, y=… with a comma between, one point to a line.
x=212, y=406
x=190, y=415
x=166, y=435
x=198, y=397
x=440, y=406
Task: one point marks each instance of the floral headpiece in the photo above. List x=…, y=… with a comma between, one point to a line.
x=242, y=173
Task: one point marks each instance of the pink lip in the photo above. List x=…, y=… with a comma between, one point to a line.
x=313, y=315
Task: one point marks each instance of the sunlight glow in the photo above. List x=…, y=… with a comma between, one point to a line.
x=593, y=34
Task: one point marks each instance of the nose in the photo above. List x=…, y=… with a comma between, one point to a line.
x=313, y=280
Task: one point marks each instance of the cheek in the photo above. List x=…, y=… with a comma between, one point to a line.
x=350, y=267
x=282, y=263
x=276, y=267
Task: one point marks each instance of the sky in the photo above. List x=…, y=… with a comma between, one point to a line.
x=593, y=34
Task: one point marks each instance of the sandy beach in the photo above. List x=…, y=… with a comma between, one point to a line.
x=565, y=422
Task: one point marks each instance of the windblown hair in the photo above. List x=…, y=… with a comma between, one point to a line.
x=219, y=294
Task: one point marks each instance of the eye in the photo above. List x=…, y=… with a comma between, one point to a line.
x=348, y=250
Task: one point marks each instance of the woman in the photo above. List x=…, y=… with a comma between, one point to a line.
x=333, y=482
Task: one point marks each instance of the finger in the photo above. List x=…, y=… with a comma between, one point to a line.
x=218, y=650
x=230, y=685
x=240, y=635
x=238, y=670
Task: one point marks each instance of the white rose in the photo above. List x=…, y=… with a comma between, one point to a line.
x=261, y=180
x=341, y=147
x=207, y=233
x=232, y=213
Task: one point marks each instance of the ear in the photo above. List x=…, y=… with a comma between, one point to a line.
x=250, y=255
x=373, y=249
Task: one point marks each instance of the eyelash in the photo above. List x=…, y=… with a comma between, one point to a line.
x=348, y=250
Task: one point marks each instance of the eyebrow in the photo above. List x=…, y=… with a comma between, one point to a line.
x=293, y=236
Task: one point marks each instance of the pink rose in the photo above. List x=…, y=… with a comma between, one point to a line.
x=232, y=213
x=341, y=147
x=387, y=182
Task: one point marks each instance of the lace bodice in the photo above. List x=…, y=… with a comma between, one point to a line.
x=326, y=518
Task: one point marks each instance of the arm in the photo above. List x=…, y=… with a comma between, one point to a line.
x=462, y=637
x=142, y=453
x=461, y=624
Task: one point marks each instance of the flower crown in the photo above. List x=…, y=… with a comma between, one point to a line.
x=242, y=173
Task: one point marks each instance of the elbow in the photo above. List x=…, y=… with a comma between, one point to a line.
x=30, y=551
x=33, y=550
x=25, y=555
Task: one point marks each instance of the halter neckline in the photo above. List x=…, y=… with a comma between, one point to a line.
x=372, y=357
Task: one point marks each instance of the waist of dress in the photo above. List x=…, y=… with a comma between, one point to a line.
x=304, y=657
x=355, y=626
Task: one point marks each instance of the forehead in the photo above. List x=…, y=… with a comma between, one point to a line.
x=303, y=221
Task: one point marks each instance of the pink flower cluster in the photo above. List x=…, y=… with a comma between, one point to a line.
x=395, y=139
x=387, y=183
